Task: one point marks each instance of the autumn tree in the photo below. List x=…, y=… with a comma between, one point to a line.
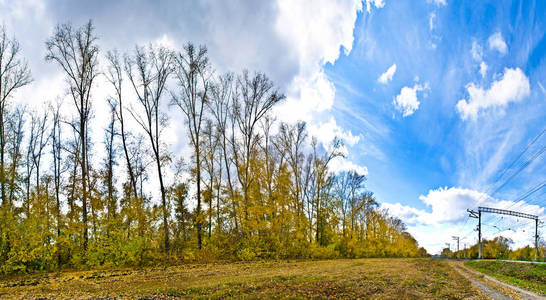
x=192, y=75
x=221, y=109
x=14, y=74
x=148, y=72
x=114, y=75
x=76, y=52
x=256, y=96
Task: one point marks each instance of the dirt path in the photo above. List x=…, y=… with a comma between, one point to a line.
x=492, y=287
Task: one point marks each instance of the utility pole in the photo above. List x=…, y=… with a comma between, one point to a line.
x=464, y=250
x=478, y=215
x=536, y=239
x=457, y=239
x=479, y=235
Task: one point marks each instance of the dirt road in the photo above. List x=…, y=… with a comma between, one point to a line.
x=492, y=287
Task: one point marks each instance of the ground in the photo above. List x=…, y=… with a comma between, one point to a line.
x=344, y=278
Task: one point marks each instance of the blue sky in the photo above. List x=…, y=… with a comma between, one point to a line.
x=432, y=45
x=433, y=98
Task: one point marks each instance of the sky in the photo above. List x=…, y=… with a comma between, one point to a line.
x=441, y=103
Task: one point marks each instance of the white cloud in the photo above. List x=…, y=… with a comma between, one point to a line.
x=317, y=32
x=512, y=87
x=376, y=3
x=483, y=69
x=340, y=164
x=476, y=51
x=496, y=42
x=325, y=132
x=446, y=215
x=406, y=102
x=438, y=2
x=387, y=76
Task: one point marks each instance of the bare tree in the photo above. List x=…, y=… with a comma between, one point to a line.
x=56, y=147
x=76, y=52
x=210, y=147
x=193, y=80
x=41, y=140
x=292, y=138
x=255, y=98
x=110, y=162
x=14, y=74
x=148, y=72
x=115, y=77
x=323, y=180
x=15, y=127
x=219, y=105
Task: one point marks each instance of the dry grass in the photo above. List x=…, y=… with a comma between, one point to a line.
x=344, y=278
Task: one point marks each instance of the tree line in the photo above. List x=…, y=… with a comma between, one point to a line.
x=498, y=248
x=252, y=188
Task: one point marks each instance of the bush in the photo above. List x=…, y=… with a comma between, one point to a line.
x=329, y=252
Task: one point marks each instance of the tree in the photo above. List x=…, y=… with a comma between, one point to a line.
x=323, y=182
x=115, y=77
x=109, y=163
x=40, y=141
x=76, y=52
x=15, y=127
x=255, y=97
x=56, y=148
x=153, y=68
x=219, y=106
x=192, y=74
x=14, y=74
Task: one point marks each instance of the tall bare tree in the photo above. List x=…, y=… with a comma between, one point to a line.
x=115, y=77
x=15, y=127
x=192, y=73
x=56, y=148
x=220, y=107
x=109, y=163
x=256, y=96
x=41, y=139
x=76, y=52
x=14, y=74
x=148, y=72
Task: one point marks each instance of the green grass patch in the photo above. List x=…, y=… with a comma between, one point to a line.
x=526, y=275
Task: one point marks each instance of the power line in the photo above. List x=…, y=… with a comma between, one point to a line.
x=521, y=154
x=488, y=193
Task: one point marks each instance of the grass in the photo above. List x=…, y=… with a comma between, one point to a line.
x=344, y=278
x=528, y=276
